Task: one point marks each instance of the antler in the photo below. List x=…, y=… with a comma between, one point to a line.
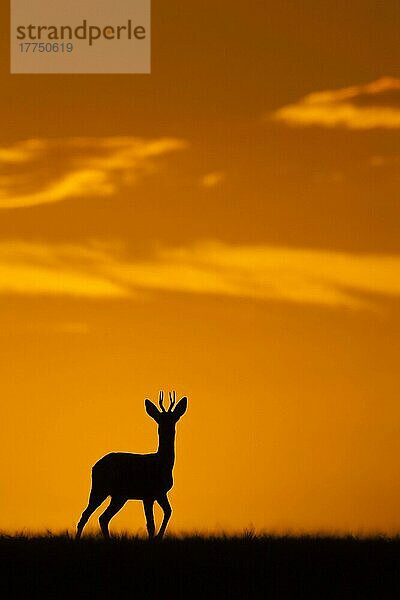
x=172, y=400
x=160, y=401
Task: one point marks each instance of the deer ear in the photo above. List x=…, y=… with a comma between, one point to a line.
x=180, y=408
x=152, y=410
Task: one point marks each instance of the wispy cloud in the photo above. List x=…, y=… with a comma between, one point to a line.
x=30, y=270
x=294, y=275
x=212, y=180
x=21, y=152
x=385, y=161
x=354, y=107
x=43, y=171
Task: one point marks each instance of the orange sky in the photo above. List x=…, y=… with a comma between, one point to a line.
x=228, y=227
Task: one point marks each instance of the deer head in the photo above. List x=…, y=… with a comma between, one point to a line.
x=166, y=419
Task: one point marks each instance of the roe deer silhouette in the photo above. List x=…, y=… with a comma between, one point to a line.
x=146, y=477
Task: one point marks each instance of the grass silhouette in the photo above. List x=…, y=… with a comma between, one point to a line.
x=245, y=566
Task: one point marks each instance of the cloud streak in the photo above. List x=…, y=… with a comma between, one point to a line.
x=21, y=152
x=300, y=276
x=342, y=107
x=76, y=167
x=212, y=180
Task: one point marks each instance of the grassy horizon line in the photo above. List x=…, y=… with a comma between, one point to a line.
x=246, y=534
x=245, y=565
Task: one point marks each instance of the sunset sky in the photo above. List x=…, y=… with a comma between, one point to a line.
x=229, y=227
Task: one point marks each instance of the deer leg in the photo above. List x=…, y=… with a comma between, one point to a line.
x=115, y=505
x=94, y=502
x=165, y=505
x=148, y=511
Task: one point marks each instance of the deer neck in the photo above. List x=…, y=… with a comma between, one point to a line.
x=166, y=449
